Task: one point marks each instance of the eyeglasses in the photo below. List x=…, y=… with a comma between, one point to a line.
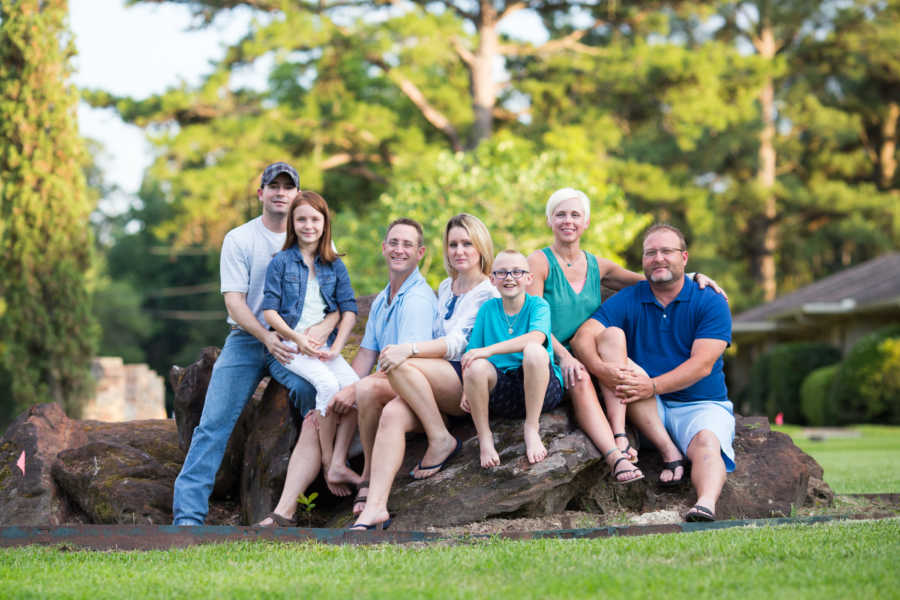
x=405, y=244
x=503, y=274
x=666, y=252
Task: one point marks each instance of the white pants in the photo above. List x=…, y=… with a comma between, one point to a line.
x=326, y=376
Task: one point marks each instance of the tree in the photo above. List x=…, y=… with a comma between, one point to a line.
x=48, y=332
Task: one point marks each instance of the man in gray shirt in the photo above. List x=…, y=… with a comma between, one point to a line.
x=251, y=350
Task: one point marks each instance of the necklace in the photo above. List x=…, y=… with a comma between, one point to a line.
x=559, y=256
x=511, y=324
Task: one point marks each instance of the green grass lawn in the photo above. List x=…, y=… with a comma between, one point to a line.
x=833, y=560
x=866, y=464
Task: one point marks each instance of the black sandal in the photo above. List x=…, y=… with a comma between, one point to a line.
x=671, y=466
x=614, y=474
x=360, y=497
x=627, y=447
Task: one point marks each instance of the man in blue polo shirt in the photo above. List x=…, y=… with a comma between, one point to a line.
x=403, y=312
x=657, y=347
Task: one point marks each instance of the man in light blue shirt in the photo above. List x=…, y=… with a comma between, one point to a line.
x=403, y=312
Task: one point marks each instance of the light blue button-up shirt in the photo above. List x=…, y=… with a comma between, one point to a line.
x=408, y=318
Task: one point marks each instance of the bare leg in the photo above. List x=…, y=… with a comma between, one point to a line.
x=338, y=471
x=302, y=470
x=707, y=468
x=478, y=381
x=372, y=394
x=612, y=349
x=327, y=429
x=430, y=386
x=390, y=446
x=536, y=368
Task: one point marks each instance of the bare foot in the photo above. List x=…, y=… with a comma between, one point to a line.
x=341, y=473
x=489, y=456
x=437, y=453
x=534, y=447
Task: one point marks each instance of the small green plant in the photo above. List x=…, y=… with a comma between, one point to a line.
x=307, y=504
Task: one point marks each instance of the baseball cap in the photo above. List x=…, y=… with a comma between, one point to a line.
x=276, y=169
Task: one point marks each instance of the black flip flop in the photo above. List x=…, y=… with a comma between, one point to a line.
x=439, y=467
x=699, y=514
x=671, y=466
x=373, y=527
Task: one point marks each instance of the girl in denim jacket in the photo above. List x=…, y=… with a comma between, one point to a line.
x=307, y=294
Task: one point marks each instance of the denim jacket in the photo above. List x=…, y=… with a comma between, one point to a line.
x=286, y=286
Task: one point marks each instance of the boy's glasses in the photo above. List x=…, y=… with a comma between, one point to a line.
x=503, y=274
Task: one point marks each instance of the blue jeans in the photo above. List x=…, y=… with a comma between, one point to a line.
x=238, y=370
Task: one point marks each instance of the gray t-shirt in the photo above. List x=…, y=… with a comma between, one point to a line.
x=246, y=253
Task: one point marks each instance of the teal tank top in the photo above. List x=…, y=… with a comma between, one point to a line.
x=569, y=310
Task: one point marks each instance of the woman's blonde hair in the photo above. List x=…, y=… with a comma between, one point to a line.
x=559, y=196
x=480, y=237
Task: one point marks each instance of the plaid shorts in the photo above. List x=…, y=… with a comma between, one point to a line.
x=508, y=396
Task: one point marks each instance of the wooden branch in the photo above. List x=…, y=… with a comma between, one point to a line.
x=464, y=53
x=514, y=7
x=344, y=158
x=569, y=42
x=431, y=114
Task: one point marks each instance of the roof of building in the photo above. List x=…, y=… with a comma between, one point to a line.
x=869, y=286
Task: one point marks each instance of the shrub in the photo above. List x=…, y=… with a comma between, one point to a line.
x=777, y=375
x=867, y=385
x=816, y=399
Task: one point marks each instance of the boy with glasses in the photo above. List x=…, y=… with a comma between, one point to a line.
x=508, y=368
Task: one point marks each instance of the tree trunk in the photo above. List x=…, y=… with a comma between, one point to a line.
x=765, y=175
x=484, y=88
x=887, y=159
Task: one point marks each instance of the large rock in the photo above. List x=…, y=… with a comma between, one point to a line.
x=124, y=474
x=189, y=385
x=268, y=447
x=35, y=438
x=772, y=476
x=574, y=475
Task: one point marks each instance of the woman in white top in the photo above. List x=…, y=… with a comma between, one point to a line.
x=426, y=375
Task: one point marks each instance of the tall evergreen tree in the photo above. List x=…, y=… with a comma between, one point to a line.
x=47, y=331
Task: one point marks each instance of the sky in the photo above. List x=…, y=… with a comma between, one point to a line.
x=138, y=51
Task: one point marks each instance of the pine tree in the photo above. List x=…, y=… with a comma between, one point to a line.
x=47, y=333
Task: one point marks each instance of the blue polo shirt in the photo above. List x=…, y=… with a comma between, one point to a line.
x=408, y=318
x=659, y=339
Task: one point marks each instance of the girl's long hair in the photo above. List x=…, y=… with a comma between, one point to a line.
x=326, y=249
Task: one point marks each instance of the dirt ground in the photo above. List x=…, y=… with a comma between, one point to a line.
x=857, y=506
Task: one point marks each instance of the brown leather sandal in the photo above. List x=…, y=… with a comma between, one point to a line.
x=277, y=521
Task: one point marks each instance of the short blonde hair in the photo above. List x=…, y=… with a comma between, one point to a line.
x=480, y=237
x=559, y=196
x=511, y=252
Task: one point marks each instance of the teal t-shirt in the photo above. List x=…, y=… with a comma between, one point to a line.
x=492, y=325
x=569, y=310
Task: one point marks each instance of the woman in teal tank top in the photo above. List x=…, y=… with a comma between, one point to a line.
x=569, y=279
